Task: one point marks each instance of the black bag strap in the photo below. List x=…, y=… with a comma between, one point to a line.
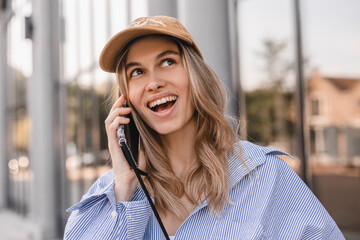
x=130, y=159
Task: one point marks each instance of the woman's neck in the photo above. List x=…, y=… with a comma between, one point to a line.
x=181, y=149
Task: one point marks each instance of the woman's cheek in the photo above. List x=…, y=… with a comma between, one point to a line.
x=133, y=95
x=136, y=102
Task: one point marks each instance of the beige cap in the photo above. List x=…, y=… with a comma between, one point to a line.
x=141, y=27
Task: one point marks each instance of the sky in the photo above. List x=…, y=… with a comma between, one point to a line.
x=330, y=32
x=331, y=35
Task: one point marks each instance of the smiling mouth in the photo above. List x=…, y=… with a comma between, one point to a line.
x=162, y=104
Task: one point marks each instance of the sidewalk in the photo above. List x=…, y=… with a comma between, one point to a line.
x=15, y=227
x=339, y=191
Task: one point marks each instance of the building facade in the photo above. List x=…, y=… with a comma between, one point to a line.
x=334, y=120
x=55, y=98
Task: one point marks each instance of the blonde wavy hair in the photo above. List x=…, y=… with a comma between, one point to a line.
x=208, y=178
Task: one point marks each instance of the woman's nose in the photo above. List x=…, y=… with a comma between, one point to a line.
x=154, y=83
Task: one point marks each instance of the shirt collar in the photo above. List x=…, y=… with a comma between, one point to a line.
x=253, y=156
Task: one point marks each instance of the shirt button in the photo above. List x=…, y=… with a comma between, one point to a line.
x=114, y=213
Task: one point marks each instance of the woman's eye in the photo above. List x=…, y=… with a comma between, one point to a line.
x=167, y=62
x=136, y=72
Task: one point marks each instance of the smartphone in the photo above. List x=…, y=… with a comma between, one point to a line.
x=132, y=136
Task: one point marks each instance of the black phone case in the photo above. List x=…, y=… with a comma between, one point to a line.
x=132, y=136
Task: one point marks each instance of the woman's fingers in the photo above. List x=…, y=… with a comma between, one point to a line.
x=118, y=103
x=115, y=113
x=125, y=179
x=117, y=122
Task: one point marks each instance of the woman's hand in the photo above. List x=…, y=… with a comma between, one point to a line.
x=125, y=179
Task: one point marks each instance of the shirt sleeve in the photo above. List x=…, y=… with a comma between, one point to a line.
x=294, y=211
x=98, y=216
x=336, y=234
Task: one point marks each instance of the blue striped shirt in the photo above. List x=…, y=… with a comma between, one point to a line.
x=271, y=202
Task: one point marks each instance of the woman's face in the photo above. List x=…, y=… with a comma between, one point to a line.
x=159, y=85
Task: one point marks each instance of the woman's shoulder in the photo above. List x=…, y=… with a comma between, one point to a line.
x=254, y=155
x=256, y=151
x=247, y=157
x=286, y=207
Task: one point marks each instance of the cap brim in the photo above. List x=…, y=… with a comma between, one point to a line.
x=119, y=41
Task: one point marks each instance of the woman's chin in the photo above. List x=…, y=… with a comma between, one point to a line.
x=165, y=130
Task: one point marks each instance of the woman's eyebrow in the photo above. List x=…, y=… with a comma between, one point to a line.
x=167, y=52
x=132, y=64
x=162, y=54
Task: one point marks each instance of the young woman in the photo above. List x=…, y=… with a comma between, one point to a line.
x=205, y=183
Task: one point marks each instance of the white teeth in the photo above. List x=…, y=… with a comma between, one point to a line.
x=161, y=101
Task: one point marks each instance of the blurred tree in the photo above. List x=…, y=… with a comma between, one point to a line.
x=260, y=115
x=268, y=107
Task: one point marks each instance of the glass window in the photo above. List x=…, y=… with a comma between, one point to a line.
x=20, y=69
x=331, y=36
x=331, y=33
x=268, y=73
x=88, y=25
x=315, y=107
